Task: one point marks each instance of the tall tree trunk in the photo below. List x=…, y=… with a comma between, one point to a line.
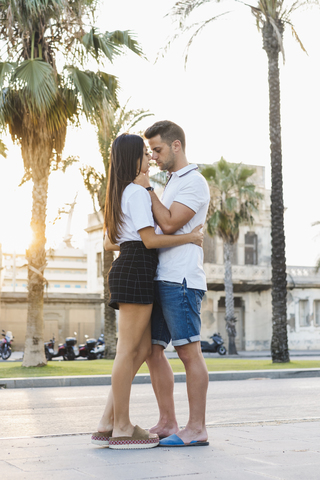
x=228, y=286
x=279, y=342
x=109, y=313
x=34, y=355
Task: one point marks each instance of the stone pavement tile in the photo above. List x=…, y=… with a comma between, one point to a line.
x=234, y=453
x=269, y=440
x=240, y=473
x=9, y=471
x=286, y=458
x=39, y=455
x=310, y=472
x=153, y=463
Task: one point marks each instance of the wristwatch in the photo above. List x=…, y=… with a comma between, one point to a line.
x=150, y=189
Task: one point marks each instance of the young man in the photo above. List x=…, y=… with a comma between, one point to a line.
x=180, y=284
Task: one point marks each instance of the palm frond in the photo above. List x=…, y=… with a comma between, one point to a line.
x=124, y=38
x=295, y=35
x=113, y=121
x=37, y=83
x=97, y=44
x=183, y=9
x=93, y=181
x=111, y=84
x=3, y=149
x=198, y=30
x=93, y=88
x=6, y=69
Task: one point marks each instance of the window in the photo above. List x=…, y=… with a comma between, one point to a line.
x=99, y=264
x=317, y=312
x=251, y=249
x=67, y=286
x=304, y=317
x=78, y=286
x=57, y=286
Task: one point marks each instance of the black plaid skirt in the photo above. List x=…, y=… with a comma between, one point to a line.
x=131, y=275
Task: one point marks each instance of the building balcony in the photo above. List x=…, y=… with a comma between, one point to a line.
x=67, y=264
x=257, y=277
x=305, y=277
x=245, y=278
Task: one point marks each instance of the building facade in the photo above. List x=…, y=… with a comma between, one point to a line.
x=69, y=308
x=251, y=273
x=74, y=297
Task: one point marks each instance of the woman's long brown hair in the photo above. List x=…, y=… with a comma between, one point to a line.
x=126, y=150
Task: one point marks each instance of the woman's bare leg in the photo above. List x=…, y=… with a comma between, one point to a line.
x=134, y=345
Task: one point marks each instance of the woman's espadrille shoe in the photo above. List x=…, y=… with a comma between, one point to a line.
x=101, y=438
x=139, y=439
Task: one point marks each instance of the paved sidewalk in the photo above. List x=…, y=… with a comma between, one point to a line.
x=87, y=380
x=274, y=450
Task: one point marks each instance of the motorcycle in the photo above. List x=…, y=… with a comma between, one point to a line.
x=5, y=345
x=215, y=346
x=72, y=350
x=87, y=350
x=100, y=347
x=51, y=353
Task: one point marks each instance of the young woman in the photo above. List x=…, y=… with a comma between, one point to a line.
x=130, y=228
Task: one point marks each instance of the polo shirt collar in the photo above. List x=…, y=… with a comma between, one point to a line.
x=186, y=169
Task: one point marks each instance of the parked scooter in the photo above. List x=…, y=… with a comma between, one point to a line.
x=51, y=352
x=87, y=350
x=100, y=347
x=5, y=345
x=215, y=346
x=72, y=350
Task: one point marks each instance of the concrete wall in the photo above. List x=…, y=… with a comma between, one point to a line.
x=303, y=337
x=94, y=246
x=63, y=315
x=253, y=313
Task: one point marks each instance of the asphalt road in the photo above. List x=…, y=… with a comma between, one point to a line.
x=67, y=410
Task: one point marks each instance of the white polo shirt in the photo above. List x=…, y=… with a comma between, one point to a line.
x=189, y=187
x=137, y=213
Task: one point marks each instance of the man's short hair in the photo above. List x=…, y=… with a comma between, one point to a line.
x=168, y=131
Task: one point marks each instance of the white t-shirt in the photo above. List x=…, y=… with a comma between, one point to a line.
x=189, y=187
x=137, y=213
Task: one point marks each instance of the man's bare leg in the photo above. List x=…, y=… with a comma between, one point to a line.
x=163, y=383
x=197, y=385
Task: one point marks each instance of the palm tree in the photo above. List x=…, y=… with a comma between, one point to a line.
x=113, y=121
x=46, y=85
x=233, y=202
x=272, y=16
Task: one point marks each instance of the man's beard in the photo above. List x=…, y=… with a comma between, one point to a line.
x=169, y=163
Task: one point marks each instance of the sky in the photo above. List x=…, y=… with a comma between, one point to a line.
x=221, y=101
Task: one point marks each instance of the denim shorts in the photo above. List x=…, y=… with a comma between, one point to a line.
x=176, y=314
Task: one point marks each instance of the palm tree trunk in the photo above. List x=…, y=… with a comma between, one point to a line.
x=109, y=313
x=228, y=287
x=279, y=342
x=34, y=355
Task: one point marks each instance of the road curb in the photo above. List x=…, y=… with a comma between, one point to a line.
x=142, y=378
